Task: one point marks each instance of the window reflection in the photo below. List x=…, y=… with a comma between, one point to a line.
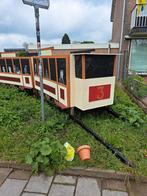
x=35, y=62
x=16, y=66
x=61, y=64
x=45, y=68
x=9, y=65
x=52, y=69
x=2, y=65
x=25, y=66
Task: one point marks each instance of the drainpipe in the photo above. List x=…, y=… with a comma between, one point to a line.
x=121, y=41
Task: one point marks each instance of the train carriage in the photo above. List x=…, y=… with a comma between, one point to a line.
x=16, y=71
x=92, y=80
x=55, y=78
x=82, y=80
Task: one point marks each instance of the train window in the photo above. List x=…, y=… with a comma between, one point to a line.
x=16, y=66
x=3, y=65
x=45, y=68
x=36, y=67
x=99, y=66
x=9, y=65
x=25, y=66
x=61, y=64
x=78, y=66
x=52, y=69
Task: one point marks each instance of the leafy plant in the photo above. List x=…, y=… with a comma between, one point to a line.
x=47, y=155
x=136, y=85
x=127, y=109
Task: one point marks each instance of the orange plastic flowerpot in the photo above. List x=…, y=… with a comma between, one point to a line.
x=84, y=152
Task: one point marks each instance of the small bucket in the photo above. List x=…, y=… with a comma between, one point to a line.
x=84, y=152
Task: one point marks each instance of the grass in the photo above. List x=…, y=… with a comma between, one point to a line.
x=20, y=126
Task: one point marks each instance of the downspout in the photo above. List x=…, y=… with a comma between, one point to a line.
x=121, y=41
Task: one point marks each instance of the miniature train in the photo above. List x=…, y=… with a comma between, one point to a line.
x=82, y=80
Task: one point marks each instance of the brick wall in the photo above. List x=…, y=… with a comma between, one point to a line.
x=118, y=12
x=116, y=32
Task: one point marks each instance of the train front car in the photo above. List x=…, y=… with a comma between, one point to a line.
x=16, y=71
x=92, y=80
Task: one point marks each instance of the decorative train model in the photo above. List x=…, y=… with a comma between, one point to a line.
x=82, y=80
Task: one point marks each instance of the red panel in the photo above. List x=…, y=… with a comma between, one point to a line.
x=47, y=87
x=99, y=92
x=27, y=80
x=62, y=94
x=9, y=79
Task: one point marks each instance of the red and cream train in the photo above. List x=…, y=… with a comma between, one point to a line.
x=82, y=80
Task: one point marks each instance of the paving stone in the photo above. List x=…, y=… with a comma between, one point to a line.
x=20, y=174
x=114, y=193
x=65, y=179
x=87, y=187
x=116, y=185
x=39, y=184
x=137, y=189
x=4, y=172
x=61, y=190
x=32, y=194
x=12, y=187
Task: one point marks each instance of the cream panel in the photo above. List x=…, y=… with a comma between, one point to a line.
x=8, y=54
x=63, y=101
x=30, y=85
x=52, y=84
x=12, y=76
x=72, y=81
x=82, y=92
x=46, y=52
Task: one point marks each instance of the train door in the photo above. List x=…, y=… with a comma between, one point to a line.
x=63, y=81
x=26, y=73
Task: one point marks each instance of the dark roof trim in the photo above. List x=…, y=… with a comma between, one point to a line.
x=13, y=49
x=113, y=10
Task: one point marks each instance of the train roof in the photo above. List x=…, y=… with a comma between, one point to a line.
x=76, y=46
x=94, y=53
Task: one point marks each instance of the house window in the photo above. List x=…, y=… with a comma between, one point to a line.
x=138, y=56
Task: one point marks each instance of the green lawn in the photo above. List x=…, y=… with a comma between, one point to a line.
x=20, y=126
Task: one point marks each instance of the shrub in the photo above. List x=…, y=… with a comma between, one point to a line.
x=47, y=155
x=136, y=85
x=127, y=109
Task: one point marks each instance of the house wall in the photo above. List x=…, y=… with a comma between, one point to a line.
x=116, y=29
x=118, y=12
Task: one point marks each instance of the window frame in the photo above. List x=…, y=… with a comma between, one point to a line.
x=130, y=57
x=26, y=74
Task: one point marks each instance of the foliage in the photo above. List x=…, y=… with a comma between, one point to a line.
x=127, y=109
x=21, y=54
x=47, y=155
x=136, y=85
x=26, y=129
x=65, y=39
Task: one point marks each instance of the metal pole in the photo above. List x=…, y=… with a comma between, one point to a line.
x=121, y=42
x=36, y=9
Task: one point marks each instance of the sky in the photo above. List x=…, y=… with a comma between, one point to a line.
x=80, y=19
